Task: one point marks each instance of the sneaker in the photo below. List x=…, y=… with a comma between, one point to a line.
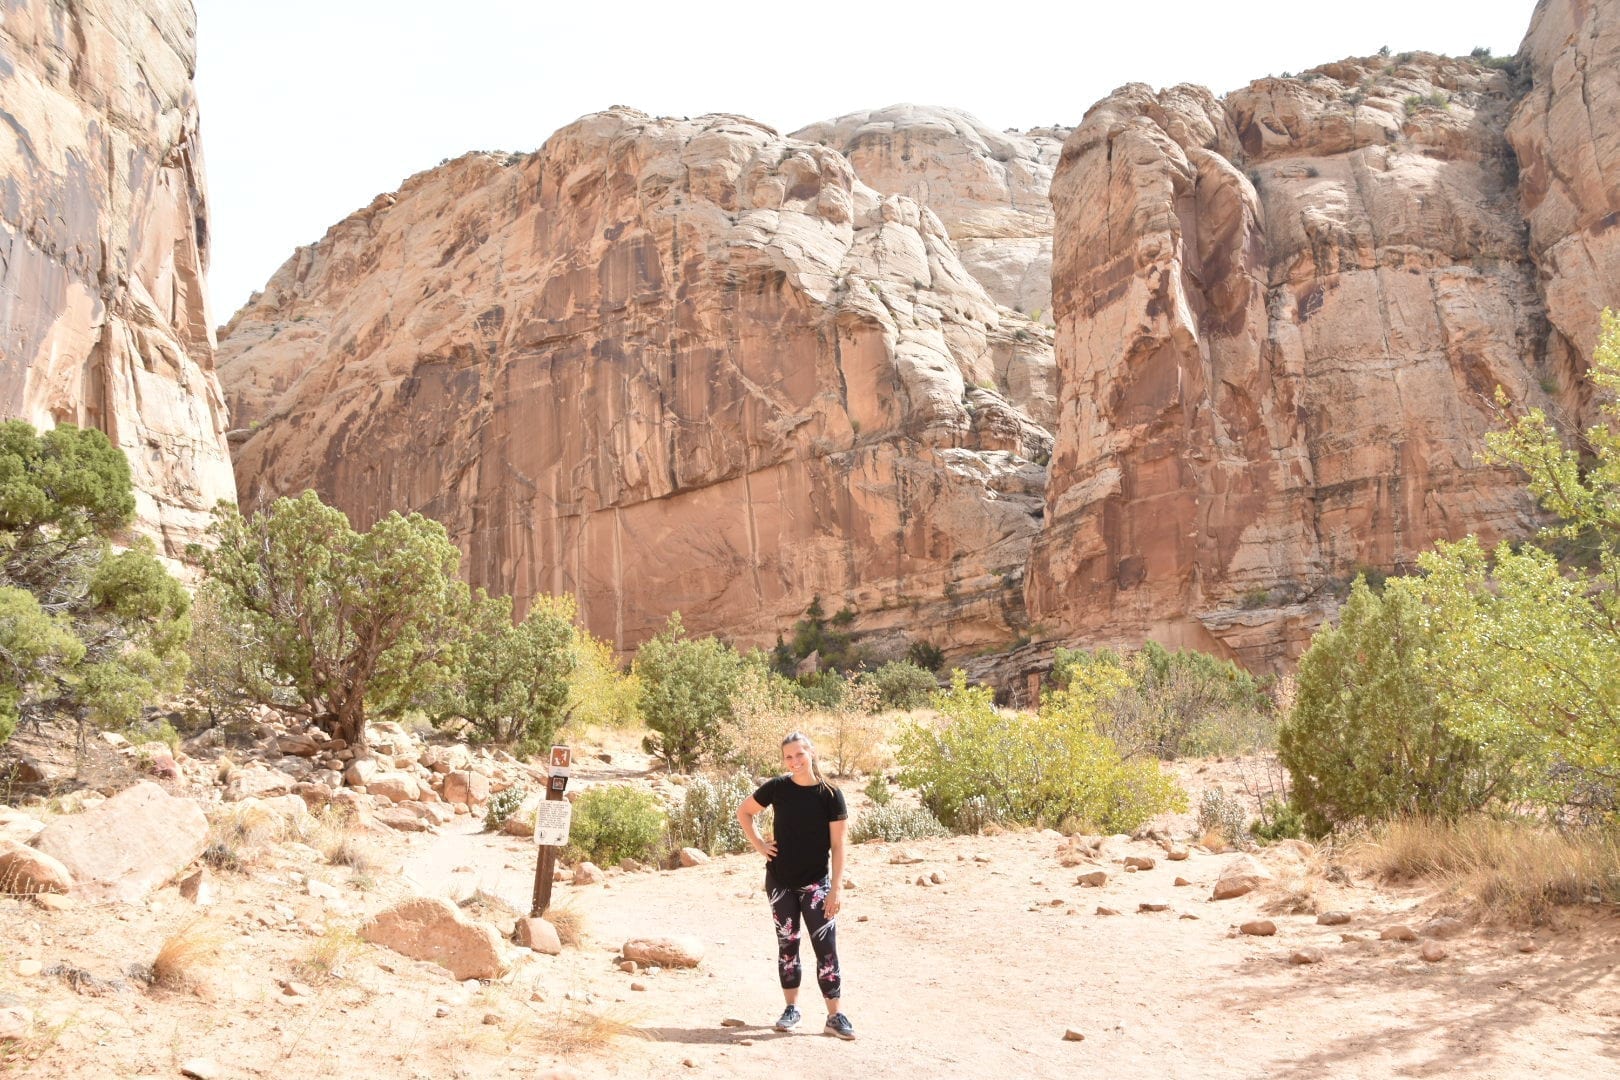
x=789, y=1019
x=838, y=1024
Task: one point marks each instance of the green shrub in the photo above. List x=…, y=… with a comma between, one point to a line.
x=502, y=805
x=686, y=689
x=1169, y=704
x=1278, y=821
x=707, y=816
x=513, y=681
x=819, y=690
x=894, y=823
x=901, y=684
x=614, y=823
x=1046, y=768
x=877, y=789
x=1368, y=737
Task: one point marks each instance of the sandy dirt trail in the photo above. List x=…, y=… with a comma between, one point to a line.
x=982, y=975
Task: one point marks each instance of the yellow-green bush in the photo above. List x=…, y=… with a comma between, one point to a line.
x=1045, y=768
x=614, y=823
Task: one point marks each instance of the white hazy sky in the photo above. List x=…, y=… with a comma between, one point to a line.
x=310, y=108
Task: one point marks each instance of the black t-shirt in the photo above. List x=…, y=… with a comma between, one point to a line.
x=803, y=833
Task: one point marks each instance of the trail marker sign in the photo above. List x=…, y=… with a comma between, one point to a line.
x=552, y=820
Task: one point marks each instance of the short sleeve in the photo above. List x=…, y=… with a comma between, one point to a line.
x=766, y=793
x=836, y=810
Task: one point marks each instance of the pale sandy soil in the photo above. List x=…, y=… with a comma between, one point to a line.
x=979, y=976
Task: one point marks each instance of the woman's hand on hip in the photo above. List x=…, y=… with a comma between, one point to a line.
x=767, y=848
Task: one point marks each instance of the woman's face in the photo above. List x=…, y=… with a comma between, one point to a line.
x=796, y=758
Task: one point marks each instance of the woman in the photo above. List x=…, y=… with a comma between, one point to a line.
x=809, y=831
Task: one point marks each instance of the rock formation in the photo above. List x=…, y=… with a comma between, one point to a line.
x=103, y=246
x=663, y=365
x=990, y=189
x=1280, y=320
x=1566, y=133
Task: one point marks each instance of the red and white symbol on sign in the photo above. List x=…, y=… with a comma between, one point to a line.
x=561, y=758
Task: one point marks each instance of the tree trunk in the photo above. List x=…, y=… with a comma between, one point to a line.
x=351, y=724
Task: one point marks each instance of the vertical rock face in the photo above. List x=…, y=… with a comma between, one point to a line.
x=1567, y=135
x=663, y=365
x=1280, y=318
x=103, y=245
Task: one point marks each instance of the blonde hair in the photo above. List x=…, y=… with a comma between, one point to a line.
x=810, y=748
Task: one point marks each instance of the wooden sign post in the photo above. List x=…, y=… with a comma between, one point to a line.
x=551, y=828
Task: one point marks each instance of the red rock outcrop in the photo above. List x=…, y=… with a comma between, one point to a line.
x=103, y=246
x=1567, y=136
x=1281, y=316
x=663, y=365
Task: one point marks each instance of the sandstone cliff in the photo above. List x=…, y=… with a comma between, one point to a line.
x=1280, y=317
x=103, y=246
x=662, y=365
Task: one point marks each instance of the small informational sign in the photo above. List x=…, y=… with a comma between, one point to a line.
x=552, y=819
x=561, y=758
x=558, y=783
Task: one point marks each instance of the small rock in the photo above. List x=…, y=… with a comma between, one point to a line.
x=904, y=857
x=1242, y=875
x=1182, y=881
x=442, y=1011
x=1398, y=932
x=539, y=935
x=587, y=873
x=1432, y=952
x=1153, y=905
x=689, y=1063
x=27, y=969
x=936, y=878
x=627, y=965
x=1176, y=854
x=680, y=951
x=732, y=1021
x=745, y=1042
x=1305, y=956
x=1528, y=946
x=1092, y=880
x=638, y=986
x=1442, y=928
x=491, y=1019
x=1107, y=911
x=296, y=989
x=1073, y=1035
x=1189, y=917
x=200, y=1069
x=1333, y=918
x=53, y=901
x=1259, y=928
x=1139, y=862
x=691, y=856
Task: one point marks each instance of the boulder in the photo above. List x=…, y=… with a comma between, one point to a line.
x=129, y=845
x=691, y=856
x=394, y=786
x=1259, y=928
x=680, y=951
x=1092, y=879
x=25, y=871
x=256, y=781
x=465, y=786
x=298, y=744
x=1241, y=875
x=537, y=934
x=587, y=873
x=434, y=929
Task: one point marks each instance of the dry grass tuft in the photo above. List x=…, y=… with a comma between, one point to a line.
x=183, y=961
x=569, y=922
x=580, y=1031
x=1509, y=871
x=326, y=957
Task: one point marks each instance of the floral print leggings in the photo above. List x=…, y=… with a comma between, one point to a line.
x=808, y=902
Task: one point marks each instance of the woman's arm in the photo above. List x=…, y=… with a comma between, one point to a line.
x=835, y=895
x=746, y=813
